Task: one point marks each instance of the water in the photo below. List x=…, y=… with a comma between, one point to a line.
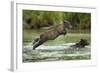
x=55, y=53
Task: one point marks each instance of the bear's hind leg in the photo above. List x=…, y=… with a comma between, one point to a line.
x=37, y=44
x=34, y=41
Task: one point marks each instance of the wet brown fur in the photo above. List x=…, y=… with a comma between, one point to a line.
x=52, y=34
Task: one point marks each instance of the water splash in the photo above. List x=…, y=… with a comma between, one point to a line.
x=29, y=47
x=54, y=52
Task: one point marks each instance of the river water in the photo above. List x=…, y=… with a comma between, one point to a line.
x=59, y=52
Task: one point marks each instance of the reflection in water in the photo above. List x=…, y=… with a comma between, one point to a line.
x=55, y=53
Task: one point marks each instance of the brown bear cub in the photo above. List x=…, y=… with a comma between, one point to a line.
x=81, y=44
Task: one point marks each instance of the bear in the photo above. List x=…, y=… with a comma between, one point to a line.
x=52, y=33
x=81, y=44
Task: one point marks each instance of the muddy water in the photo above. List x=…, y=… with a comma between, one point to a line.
x=55, y=53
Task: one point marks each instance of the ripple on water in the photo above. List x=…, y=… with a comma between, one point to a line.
x=54, y=53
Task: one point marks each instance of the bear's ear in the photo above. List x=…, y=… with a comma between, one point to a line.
x=67, y=24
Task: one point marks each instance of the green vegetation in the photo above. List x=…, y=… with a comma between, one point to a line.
x=79, y=20
x=38, y=19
